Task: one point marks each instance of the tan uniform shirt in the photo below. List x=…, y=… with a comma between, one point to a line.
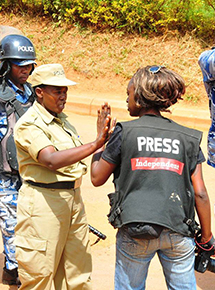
x=37, y=129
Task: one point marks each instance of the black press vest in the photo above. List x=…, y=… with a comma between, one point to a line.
x=158, y=157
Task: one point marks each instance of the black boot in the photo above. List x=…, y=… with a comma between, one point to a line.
x=10, y=277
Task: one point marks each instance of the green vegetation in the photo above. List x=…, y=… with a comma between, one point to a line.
x=143, y=17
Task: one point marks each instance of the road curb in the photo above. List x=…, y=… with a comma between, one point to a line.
x=188, y=116
x=90, y=106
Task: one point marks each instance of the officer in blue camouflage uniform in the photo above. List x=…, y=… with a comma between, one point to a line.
x=207, y=65
x=17, y=59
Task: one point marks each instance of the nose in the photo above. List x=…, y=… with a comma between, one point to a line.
x=127, y=99
x=63, y=96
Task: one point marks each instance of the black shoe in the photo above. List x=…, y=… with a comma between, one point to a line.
x=10, y=277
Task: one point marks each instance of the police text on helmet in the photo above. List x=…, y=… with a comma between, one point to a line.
x=26, y=48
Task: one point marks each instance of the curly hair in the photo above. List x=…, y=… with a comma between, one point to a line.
x=158, y=89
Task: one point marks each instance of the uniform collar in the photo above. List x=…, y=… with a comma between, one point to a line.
x=21, y=95
x=48, y=117
x=17, y=90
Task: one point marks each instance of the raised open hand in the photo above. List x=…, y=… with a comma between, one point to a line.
x=104, y=125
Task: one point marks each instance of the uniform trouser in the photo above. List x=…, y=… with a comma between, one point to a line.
x=52, y=242
x=8, y=207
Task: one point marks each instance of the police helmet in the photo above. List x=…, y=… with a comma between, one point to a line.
x=15, y=46
x=18, y=49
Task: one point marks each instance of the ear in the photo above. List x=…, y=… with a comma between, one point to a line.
x=39, y=92
x=138, y=104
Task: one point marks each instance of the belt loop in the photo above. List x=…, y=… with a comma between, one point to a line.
x=78, y=182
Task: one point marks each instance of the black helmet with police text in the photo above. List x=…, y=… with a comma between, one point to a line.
x=15, y=46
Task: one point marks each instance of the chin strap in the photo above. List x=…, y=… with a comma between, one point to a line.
x=5, y=68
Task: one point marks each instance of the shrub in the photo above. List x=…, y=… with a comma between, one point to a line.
x=129, y=16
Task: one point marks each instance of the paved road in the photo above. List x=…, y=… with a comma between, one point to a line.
x=97, y=207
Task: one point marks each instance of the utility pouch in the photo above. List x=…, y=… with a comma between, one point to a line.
x=114, y=214
x=146, y=231
x=11, y=153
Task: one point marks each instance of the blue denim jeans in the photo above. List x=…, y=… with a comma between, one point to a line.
x=133, y=256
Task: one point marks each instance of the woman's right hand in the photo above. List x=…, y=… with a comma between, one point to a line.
x=104, y=128
x=103, y=114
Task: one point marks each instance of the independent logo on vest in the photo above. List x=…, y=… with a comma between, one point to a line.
x=26, y=48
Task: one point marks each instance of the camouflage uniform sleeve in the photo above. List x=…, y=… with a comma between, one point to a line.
x=207, y=64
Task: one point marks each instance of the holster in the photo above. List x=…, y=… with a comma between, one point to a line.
x=146, y=231
x=115, y=210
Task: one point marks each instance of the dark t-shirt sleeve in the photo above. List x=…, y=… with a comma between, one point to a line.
x=112, y=152
x=201, y=157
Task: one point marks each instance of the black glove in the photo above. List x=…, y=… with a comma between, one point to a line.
x=203, y=252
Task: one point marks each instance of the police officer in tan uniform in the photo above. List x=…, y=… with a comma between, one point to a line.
x=52, y=231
